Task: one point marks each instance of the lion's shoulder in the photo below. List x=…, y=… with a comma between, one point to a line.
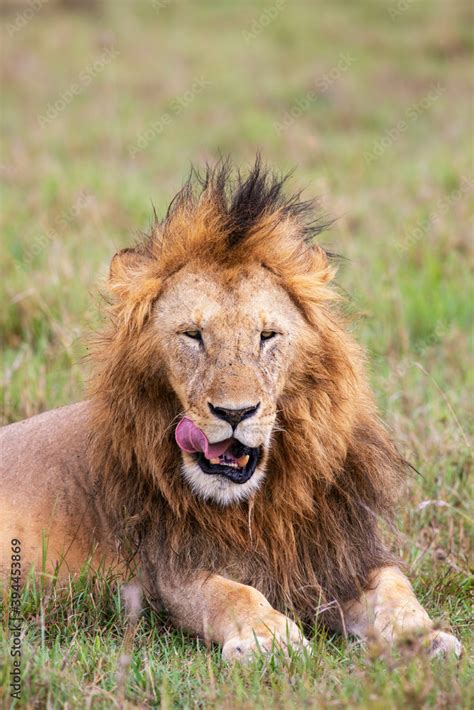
x=44, y=441
x=47, y=489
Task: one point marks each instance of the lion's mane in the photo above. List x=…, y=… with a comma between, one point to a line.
x=311, y=535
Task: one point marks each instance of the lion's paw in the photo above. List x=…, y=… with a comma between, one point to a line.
x=274, y=631
x=443, y=644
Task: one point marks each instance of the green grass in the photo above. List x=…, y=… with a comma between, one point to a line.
x=222, y=77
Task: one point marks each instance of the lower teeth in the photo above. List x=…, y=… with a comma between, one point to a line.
x=239, y=463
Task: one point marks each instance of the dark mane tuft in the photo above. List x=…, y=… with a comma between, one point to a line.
x=244, y=200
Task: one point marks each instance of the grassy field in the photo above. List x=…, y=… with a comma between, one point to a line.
x=102, y=112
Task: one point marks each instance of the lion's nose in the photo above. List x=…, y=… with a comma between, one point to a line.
x=233, y=416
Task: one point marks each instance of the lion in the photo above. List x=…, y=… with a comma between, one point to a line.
x=230, y=450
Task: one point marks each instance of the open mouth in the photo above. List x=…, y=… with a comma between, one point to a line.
x=229, y=458
x=237, y=463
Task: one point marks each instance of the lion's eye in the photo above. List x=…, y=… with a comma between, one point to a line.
x=267, y=334
x=194, y=334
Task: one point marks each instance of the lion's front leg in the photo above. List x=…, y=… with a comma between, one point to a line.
x=390, y=608
x=235, y=615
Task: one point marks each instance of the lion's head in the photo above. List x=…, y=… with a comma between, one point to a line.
x=225, y=316
x=220, y=280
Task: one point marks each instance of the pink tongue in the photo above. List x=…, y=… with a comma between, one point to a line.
x=192, y=439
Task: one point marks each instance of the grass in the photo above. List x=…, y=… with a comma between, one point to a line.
x=370, y=101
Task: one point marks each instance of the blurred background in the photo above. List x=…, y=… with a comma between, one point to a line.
x=106, y=103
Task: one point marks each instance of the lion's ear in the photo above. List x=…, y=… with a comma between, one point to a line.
x=128, y=269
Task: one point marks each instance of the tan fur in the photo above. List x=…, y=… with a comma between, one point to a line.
x=47, y=495
x=302, y=536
